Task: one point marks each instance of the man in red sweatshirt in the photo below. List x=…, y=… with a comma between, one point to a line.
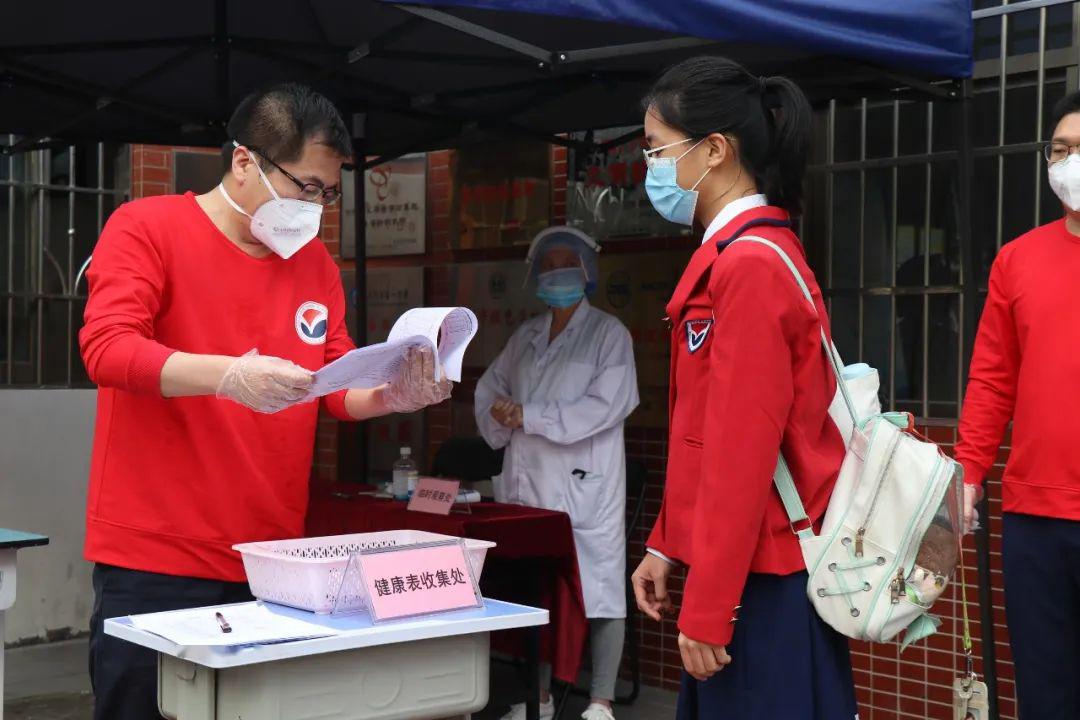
x=206, y=317
x=1026, y=368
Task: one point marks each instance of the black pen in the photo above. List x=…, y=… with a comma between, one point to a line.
x=225, y=627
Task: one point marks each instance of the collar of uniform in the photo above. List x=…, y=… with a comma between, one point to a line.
x=540, y=340
x=732, y=210
x=768, y=215
x=704, y=257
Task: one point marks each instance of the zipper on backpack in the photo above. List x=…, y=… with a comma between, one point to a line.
x=861, y=532
x=898, y=586
x=925, y=502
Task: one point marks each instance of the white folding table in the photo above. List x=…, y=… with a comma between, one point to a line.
x=11, y=541
x=417, y=669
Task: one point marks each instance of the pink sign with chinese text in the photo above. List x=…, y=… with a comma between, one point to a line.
x=434, y=496
x=418, y=580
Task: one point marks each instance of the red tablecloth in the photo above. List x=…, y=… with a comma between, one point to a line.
x=533, y=562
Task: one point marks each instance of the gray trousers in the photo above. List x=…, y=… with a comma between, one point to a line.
x=606, y=636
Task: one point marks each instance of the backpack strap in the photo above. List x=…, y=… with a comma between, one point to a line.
x=785, y=484
x=789, y=495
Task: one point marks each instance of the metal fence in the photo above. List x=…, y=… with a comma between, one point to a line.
x=53, y=204
x=882, y=223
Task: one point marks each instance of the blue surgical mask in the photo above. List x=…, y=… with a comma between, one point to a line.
x=561, y=288
x=674, y=203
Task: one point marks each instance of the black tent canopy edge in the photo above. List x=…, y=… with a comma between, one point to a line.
x=542, y=100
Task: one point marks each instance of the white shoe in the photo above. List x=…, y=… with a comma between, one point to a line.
x=596, y=711
x=517, y=712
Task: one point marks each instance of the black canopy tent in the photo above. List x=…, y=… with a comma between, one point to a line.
x=412, y=77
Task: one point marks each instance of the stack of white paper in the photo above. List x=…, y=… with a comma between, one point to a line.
x=249, y=623
x=447, y=331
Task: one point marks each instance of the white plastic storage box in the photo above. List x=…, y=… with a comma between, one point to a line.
x=419, y=680
x=307, y=573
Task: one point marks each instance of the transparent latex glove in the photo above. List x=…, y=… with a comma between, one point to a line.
x=264, y=383
x=415, y=386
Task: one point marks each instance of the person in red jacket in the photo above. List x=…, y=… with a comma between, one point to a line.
x=749, y=379
x=206, y=317
x=1024, y=369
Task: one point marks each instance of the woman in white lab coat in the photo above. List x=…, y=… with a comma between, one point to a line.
x=556, y=398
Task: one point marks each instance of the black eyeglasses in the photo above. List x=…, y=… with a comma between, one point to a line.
x=1058, y=151
x=310, y=191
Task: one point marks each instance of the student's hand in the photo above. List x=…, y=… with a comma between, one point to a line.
x=508, y=413
x=650, y=586
x=415, y=386
x=702, y=660
x=972, y=495
x=264, y=383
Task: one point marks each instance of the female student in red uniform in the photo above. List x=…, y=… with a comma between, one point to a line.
x=749, y=379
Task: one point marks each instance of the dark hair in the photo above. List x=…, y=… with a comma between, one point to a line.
x=1065, y=106
x=278, y=121
x=769, y=117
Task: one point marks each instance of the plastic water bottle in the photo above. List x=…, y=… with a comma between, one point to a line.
x=405, y=475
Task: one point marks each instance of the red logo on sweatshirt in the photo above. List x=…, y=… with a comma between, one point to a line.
x=310, y=323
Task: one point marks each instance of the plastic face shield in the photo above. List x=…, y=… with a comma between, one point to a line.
x=564, y=236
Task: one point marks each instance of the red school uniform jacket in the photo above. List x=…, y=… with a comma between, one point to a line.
x=749, y=379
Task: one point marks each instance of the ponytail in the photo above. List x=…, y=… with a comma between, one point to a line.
x=791, y=119
x=770, y=118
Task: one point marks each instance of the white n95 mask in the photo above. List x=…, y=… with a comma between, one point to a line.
x=1065, y=181
x=283, y=224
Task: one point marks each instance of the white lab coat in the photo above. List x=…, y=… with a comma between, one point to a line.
x=575, y=393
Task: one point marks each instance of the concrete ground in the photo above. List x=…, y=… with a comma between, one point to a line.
x=50, y=682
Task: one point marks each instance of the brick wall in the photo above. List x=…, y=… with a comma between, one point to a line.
x=915, y=685
x=151, y=170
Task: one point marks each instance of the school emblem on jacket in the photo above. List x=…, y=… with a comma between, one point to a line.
x=310, y=323
x=696, y=332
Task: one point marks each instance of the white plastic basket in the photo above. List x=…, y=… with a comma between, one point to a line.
x=307, y=573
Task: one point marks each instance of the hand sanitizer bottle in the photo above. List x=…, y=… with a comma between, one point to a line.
x=405, y=475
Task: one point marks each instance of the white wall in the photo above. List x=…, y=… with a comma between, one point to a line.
x=45, y=438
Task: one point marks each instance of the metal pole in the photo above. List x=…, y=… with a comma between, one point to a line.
x=221, y=59
x=1040, y=94
x=830, y=157
x=11, y=269
x=532, y=667
x=3, y=629
x=480, y=32
x=969, y=285
x=927, y=225
x=863, y=110
x=360, y=233
x=894, y=236
x=1002, y=59
x=1007, y=9
x=353, y=462
x=44, y=165
x=70, y=265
